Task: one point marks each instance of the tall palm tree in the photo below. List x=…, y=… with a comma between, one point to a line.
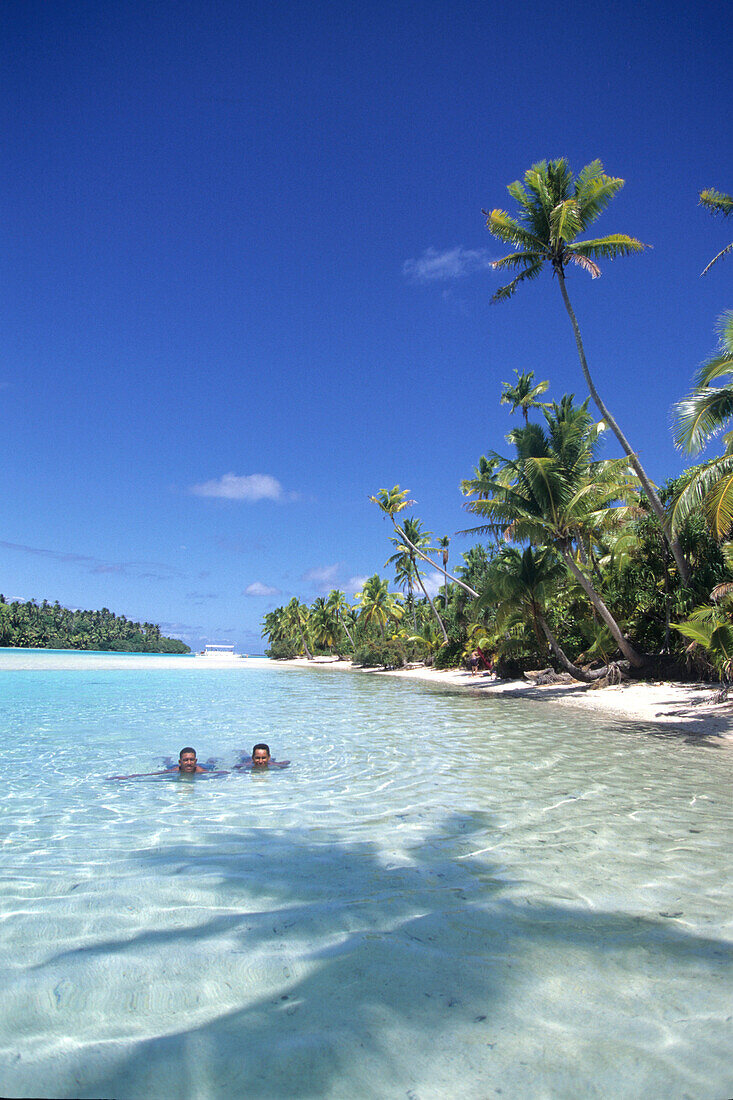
x=717, y=203
x=522, y=583
x=378, y=605
x=323, y=623
x=295, y=616
x=415, y=539
x=554, y=207
x=483, y=473
x=556, y=493
x=392, y=502
x=405, y=570
x=707, y=411
x=337, y=603
x=442, y=544
x=273, y=626
x=523, y=394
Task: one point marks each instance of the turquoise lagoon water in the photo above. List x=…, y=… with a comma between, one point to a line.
x=444, y=896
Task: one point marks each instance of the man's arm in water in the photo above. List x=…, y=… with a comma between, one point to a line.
x=168, y=771
x=143, y=775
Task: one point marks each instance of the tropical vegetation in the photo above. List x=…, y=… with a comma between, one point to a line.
x=28, y=624
x=585, y=566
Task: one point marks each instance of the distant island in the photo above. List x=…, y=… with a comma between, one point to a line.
x=30, y=625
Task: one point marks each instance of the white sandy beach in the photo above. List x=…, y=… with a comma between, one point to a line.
x=688, y=708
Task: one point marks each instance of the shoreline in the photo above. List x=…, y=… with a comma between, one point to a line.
x=686, y=708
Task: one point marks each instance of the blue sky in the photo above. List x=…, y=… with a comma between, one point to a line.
x=246, y=283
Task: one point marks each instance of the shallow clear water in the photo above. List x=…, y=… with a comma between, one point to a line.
x=443, y=896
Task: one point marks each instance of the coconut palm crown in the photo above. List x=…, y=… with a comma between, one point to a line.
x=524, y=393
x=554, y=207
x=717, y=203
x=706, y=412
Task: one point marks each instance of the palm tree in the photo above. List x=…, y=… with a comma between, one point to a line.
x=442, y=544
x=426, y=636
x=323, y=623
x=336, y=602
x=522, y=583
x=523, y=394
x=553, y=209
x=273, y=626
x=391, y=502
x=555, y=493
x=378, y=604
x=717, y=203
x=707, y=411
x=405, y=571
x=295, y=617
x=483, y=474
x=415, y=539
x=712, y=628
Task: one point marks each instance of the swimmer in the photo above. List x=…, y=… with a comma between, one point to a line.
x=187, y=765
x=259, y=759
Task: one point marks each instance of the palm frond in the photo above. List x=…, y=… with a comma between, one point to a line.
x=505, y=292
x=721, y=591
x=697, y=487
x=540, y=212
x=518, y=193
x=565, y=220
x=714, y=368
x=715, y=259
x=595, y=193
x=507, y=229
x=717, y=202
x=719, y=506
x=517, y=259
x=722, y=363
x=726, y=549
x=587, y=265
x=702, y=415
x=608, y=248
x=696, y=632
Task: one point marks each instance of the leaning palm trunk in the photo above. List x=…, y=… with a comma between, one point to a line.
x=347, y=632
x=456, y=580
x=434, y=608
x=308, y=653
x=630, y=653
x=565, y=662
x=655, y=502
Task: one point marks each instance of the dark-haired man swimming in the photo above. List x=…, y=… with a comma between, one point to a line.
x=187, y=762
x=187, y=765
x=259, y=759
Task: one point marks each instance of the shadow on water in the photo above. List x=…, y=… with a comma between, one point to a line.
x=353, y=946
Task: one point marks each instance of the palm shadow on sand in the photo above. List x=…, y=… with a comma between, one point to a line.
x=378, y=948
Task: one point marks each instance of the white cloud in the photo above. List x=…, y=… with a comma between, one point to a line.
x=355, y=584
x=257, y=588
x=249, y=487
x=324, y=577
x=432, y=581
x=451, y=263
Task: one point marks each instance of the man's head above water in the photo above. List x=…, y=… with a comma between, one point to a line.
x=261, y=755
x=187, y=760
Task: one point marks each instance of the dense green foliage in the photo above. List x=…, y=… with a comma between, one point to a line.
x=589, y=568
x=50, y=626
